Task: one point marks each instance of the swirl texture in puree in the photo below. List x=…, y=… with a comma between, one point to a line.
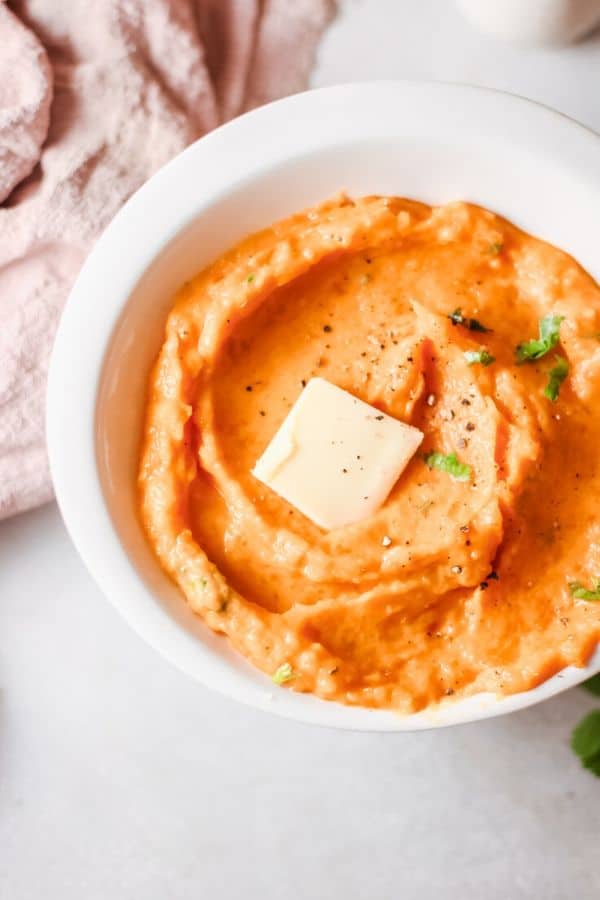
x=452, y=587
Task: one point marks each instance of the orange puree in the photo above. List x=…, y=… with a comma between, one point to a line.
x=472, y=590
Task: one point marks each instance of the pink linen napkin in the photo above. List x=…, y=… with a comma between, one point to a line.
x=95, y=95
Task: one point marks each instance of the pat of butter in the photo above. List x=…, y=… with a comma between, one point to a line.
x=336, y=458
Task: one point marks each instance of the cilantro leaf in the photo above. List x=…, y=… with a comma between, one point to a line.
x=581, y=593
x=283, y=673
x=585, y=741
x=457, y=318
x=593, y=764
x=479, y=356
x=558, y=373
x=450, y=464
x=496, y=248
x=549, y=328
x=593, y=685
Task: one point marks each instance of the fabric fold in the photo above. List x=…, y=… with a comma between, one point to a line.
x=95, y=95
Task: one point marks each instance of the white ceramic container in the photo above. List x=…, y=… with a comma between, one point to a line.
x=434, y=142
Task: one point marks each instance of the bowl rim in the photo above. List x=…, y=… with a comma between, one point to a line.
x=313, y=118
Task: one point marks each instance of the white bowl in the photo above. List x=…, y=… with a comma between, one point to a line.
x=430, y=141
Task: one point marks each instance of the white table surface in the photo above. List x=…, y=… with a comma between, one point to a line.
x=121, y=779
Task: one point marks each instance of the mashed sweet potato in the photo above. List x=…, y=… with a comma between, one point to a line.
x=477, y=578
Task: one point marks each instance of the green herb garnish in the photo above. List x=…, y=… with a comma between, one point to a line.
x=549, y=328
x=250, y=279
x=450, y=464
x=479, y=356
x=585, y=741
x=557, y=375
x=457, y=318
x=592, y=685
x=581, y=593
x=496, y=248
x=283, y=673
